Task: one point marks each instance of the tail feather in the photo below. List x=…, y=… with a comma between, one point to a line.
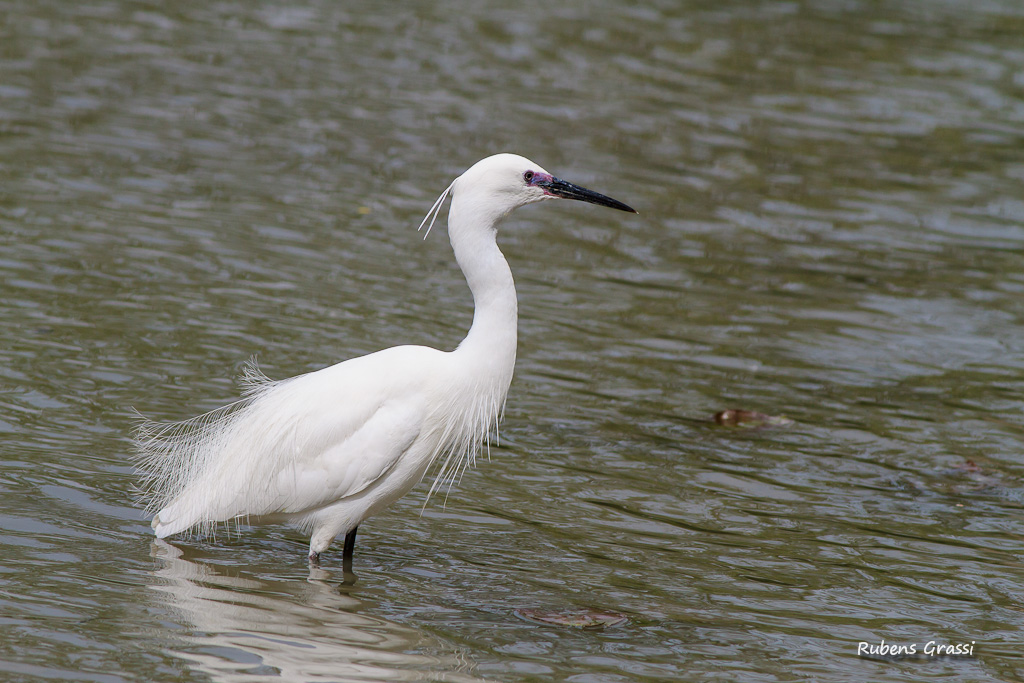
x=176, y=518
x=169, y=528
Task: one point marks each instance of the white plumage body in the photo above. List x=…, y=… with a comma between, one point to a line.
x=328, y=449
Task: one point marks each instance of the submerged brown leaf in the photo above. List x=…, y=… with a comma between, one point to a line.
x=578, y=618
x=977, y=477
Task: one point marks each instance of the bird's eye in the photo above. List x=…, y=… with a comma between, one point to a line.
x=528, y=176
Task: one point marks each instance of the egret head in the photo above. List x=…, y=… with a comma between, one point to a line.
x=495, y=186
x=511, y=181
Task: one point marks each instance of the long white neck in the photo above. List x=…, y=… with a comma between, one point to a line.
x=490, y=345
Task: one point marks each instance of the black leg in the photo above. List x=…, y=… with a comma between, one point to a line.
x=350, y=546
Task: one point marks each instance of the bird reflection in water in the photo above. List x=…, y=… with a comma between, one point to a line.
x=239, y=625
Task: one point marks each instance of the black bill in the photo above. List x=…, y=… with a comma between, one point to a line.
x=560, y=188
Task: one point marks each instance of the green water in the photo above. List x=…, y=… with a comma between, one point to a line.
x=831, y=229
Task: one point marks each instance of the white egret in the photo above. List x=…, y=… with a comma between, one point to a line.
x=328, y=449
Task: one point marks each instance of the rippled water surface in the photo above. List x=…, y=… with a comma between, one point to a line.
x=831, y=229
